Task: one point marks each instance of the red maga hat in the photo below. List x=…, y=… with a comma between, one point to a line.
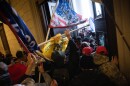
x=87, y=50
x=101, y=49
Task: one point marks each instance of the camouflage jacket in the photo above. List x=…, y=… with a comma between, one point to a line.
x=110, y=69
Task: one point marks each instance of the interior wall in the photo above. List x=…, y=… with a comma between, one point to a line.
x=2, y=50
x=1, y=47
x=28, y=12
x=12, y=41
x=122, y=17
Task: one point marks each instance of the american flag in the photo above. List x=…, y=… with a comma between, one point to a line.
x=64, y=15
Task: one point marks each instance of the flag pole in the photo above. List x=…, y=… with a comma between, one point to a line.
x=62, y=35
x=48, y=32
x=51, y=17
x=79, y=28
x=12, y=29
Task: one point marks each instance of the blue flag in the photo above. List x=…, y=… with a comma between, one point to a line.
x=18, y=24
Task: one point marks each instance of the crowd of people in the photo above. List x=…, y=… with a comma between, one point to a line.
x=82, y=64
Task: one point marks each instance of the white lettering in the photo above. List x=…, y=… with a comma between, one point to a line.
x=32, y=44
x=28, y=38
x=15, y=26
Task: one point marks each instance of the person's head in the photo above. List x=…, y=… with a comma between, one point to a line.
x=1, y=56
x=87, y=51
x=101, y=55
x=100, y=59
x=78, y=40
x=19, y=54
x=4, y=75
x=101, y=50
x=7, y=60
x=8, y=55
x=58, y=57
x=93, y=34
x=86, y=39
x=84, y=44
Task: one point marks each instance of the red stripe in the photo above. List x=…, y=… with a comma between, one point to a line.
x=61, y=20
x=53, y=24
x=79, y=16
x=83, y=21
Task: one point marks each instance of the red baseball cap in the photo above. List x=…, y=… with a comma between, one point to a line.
x=101, y=49
x=87, y=50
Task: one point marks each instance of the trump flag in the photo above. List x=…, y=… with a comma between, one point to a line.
x=64, y=15
x=18, y=25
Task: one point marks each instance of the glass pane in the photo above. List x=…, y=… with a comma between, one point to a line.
x=98, y=9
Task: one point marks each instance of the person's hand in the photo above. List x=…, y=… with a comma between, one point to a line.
x=54, y=83
x=41, y=68
x=67, y=33
x=30, y=59
x=31, y=64
x=114, y=60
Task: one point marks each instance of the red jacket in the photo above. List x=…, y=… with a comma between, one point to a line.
x=16, y=72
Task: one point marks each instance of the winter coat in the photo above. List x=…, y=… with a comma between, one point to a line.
x=110, y=69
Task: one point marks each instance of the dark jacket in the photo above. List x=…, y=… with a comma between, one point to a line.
x=86, y=62
x=73, y=56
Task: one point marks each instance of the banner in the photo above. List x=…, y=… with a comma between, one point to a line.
x=18, y=24
x=64, y=15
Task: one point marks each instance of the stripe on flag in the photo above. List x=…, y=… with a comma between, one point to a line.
x=64, y=15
